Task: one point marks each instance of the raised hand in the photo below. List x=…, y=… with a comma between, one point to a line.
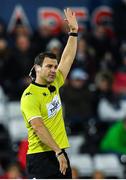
x=71, y=20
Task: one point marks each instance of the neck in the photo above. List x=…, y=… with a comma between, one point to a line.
x=41, y=81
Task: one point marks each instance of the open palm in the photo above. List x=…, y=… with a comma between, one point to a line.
x=71, y=19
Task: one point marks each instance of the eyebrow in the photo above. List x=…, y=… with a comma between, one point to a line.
x=51, y=65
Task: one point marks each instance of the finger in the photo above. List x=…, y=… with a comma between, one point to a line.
x=70, y=12
x=65, y=12
x=64, y=171
x=67, y=9
x=65, y=168
x=73, y=13
x=61, y=167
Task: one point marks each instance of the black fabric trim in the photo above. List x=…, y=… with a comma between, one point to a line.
x=40, y=85
x=50, y=88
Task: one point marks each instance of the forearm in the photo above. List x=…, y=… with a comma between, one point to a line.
x=70, y=50
x=68, y=56
x=46, y=138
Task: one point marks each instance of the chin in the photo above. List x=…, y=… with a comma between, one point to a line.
x=51, y=80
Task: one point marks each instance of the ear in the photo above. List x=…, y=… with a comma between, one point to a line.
x=37, y=68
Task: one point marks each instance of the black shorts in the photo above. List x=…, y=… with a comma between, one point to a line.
x=45, y=165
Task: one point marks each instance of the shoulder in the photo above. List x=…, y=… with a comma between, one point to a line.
x=59, y=80
x=59, y=74
x=28, y=91
x=30, y=94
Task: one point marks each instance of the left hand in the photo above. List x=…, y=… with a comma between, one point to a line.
x=71, y=20
x=62, y=164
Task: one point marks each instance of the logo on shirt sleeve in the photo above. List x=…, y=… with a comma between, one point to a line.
x=54, y=106
x=28, y=93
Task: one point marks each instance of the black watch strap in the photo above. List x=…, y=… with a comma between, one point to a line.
x=57, y=155
x=73, y=34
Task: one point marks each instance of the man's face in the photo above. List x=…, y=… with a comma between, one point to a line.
x=48, y=70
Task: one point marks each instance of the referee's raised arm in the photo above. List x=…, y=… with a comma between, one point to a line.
x=69, y=52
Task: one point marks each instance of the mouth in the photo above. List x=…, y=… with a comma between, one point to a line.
x=52, y=76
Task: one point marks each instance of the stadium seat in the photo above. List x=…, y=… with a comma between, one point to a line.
x=16, y=123
x=3, y=113
x=109, y=164
x=83, y=163
x=75, y=143
x=17, y=129
x=13, y=108
x=119, y=84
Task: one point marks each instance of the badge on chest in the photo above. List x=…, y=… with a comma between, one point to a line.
x=54, y=106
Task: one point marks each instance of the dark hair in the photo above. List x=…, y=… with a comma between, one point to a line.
x=105, y=75
x=40, y=58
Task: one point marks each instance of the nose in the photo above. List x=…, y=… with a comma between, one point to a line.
x=53, y=70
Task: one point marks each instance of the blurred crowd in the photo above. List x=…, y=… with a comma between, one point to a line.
x=94, y=95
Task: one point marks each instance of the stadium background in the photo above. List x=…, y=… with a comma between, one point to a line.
x=94, y=96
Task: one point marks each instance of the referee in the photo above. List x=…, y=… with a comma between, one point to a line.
x=42, y=111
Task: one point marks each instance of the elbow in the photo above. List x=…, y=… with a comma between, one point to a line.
x=37, y=129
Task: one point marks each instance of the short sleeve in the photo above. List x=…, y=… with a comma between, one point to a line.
x=30, y=107
x=59, y=78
